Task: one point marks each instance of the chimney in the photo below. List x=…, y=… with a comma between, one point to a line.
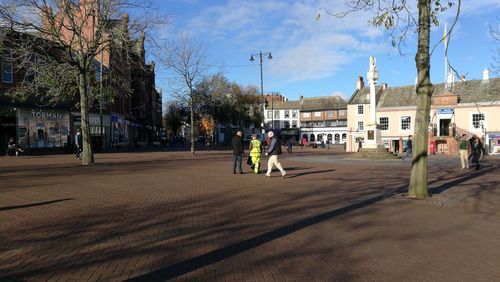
x=359, y=83
x=486, y=75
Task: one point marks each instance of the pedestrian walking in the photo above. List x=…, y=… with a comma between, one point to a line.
x=13, y=147
x=289, y=146
x=78, y=143
x=273, y=152
x=464, y=152
x=408, y=148
x=237, y=144
x=476, y=151
x=255, y=152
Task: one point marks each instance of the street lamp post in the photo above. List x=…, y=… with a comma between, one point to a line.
x=260, y=54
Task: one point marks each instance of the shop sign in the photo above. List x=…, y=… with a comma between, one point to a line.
x=46, y=115
x=445, y=111
x=494, y=135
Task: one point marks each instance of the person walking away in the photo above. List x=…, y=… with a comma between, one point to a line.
x=255, y=151
x=78, y=143
x=409, y=146
x=289, y=146
x=237, y=144
x=12, y=146
x=464, y=152
x=274, y=151
x=476, y=152
x=471, y=151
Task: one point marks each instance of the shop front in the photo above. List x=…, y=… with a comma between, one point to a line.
x=494, y=142
x=99, y=131
x=43, y=128
x=7, y=127
x=120, y=130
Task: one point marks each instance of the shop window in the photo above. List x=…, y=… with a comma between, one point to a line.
x=287, y=124
x=294, y=123
x=312, y=138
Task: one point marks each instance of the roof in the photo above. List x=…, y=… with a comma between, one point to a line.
x=285, y=105
x=361, y=96
x=323, y=103
x=469, y=91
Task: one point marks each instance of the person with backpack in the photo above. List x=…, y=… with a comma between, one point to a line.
x=464, y=152
x=273, y=151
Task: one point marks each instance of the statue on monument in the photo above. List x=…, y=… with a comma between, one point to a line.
x=372, y=74
x=373, y=61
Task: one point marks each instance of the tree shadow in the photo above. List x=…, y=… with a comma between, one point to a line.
x=462, y=179
x=310, y=172
x=209, y=258
x=34, y=204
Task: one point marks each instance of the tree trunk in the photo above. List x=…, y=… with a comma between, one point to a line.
x=88, y=154
x=418, y=176
x=191, y=108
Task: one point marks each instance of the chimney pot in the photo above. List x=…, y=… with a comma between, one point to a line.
x=359, y=83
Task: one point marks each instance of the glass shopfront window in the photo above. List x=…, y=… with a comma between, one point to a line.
x=41, y=128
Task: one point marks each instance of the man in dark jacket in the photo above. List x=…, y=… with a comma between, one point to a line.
x=237, y=144
x=274, y=151
x=78, y=143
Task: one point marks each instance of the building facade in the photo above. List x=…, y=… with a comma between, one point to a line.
x=470, y=107
x=323, y=120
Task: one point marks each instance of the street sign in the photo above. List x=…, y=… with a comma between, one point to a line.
x=445, y=111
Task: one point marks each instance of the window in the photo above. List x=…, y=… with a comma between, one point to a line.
x=384, y=123
x=294, y=113
x=269, y=115
x=361, y=126
x=312, y=138
x=294, y=123
x=361, y=110
x=344, y=136
x=287, y=124
x=276, y=124
x=7, y=73
x=287, y=113
x=306, y=115
x=342, y=113
x=477, y=119
x=317, y=114
x=276, y=114
x=329, y=114
x=405, y=123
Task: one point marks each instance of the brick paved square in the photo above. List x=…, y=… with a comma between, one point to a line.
x=171, y=216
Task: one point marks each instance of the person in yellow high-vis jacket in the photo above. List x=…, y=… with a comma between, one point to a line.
x=255, y=153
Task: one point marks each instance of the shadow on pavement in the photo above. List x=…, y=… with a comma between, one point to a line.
x=34, y=204
x=189, y=265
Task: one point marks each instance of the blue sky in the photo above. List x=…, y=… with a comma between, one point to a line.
x=320, y=57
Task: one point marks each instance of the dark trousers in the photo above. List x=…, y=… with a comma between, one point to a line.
x=79, y=150
x=237, y=163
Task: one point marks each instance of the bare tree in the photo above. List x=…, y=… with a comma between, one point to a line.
x=400, y=17
x=87, y=31
x=187, y=62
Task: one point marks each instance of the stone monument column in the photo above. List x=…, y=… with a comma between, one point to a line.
x=372, y=139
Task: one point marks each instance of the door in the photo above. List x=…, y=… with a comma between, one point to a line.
x=444, y=127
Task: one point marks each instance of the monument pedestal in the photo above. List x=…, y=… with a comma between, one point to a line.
x=373, y=137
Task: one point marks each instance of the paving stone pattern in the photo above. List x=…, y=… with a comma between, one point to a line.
x=161, y=216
